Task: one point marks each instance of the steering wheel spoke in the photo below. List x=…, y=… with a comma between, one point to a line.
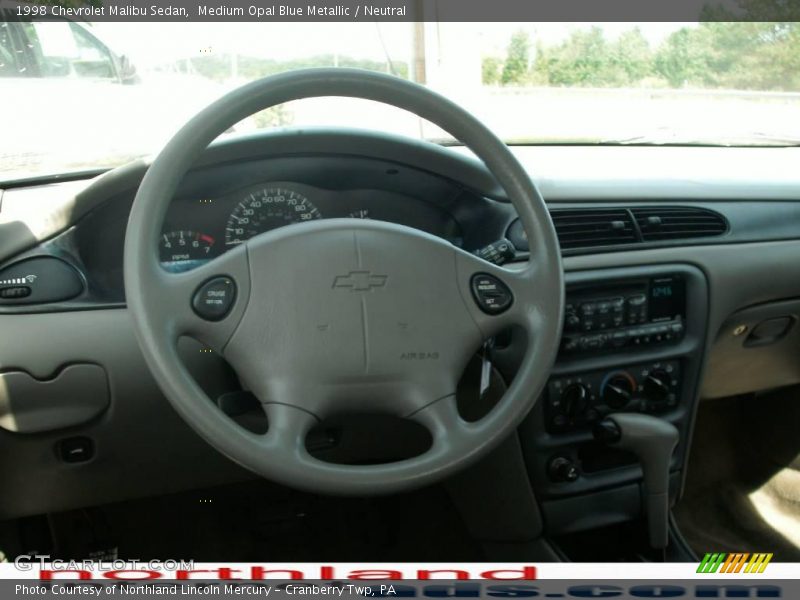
x=288, y=427
x=500, y=297
x=442, y=421
x=207, y=302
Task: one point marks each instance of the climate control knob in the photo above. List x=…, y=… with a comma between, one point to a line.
x=617, y=389
x=575, y=399
x=657, y=386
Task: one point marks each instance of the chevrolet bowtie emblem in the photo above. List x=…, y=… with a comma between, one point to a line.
x=360, y=281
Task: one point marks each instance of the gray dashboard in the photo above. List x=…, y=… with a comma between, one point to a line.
x=351, y=173
x=754, y=264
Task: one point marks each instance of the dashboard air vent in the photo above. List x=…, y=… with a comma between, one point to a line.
x=590, y=227
x=678, y=222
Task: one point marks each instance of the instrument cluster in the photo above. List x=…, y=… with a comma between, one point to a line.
x=198, y=229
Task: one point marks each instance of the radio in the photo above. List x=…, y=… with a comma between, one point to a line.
x=625, y=315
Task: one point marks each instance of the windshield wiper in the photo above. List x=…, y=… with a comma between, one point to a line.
x=668, y=137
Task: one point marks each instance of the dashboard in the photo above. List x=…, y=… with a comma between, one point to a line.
x=648, y=316
x=246, y=188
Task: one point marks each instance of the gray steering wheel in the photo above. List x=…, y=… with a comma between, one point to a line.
x=344, y=315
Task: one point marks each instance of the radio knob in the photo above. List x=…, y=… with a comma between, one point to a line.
x=618, y=389
x=656, y=386
x=572, y=322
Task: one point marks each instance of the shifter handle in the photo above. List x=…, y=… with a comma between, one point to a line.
x=652, y=440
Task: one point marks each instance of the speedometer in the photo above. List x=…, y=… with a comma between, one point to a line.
x=266, y=209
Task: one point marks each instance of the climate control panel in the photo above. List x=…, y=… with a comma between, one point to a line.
x=578, y=401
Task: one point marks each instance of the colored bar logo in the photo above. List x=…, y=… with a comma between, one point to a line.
x=736, y=562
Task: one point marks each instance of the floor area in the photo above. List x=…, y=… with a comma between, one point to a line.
x=743, y=487
x=260, y=522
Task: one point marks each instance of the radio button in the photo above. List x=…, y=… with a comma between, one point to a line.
x=569, y=344
x=637, y=309
x=572, y=322
x=604, y=322
x=636, y=318
x=619, y=339
x=593, y=342
x=636, y=300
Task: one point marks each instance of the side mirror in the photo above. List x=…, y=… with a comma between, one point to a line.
x=127, y=71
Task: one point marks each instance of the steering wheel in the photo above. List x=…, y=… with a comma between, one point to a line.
x=344, y=315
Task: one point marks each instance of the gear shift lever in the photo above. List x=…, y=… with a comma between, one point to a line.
x=652, y=440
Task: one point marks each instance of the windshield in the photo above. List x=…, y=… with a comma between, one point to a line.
x=88, y=96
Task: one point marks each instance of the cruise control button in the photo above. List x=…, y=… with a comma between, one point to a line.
x=214, y=299
x=492, y=295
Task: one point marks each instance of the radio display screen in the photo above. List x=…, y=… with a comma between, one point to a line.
x=667, y=298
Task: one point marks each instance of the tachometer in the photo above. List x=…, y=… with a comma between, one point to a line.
x=184, y=245
x=266, y=209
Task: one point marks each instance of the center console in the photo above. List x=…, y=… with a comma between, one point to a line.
x=632, y=342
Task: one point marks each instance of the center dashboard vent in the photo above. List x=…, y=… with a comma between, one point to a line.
x=579, y=228
x=590, y=227
x=678, y=222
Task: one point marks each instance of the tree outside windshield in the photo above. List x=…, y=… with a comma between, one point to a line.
x=97, y=95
